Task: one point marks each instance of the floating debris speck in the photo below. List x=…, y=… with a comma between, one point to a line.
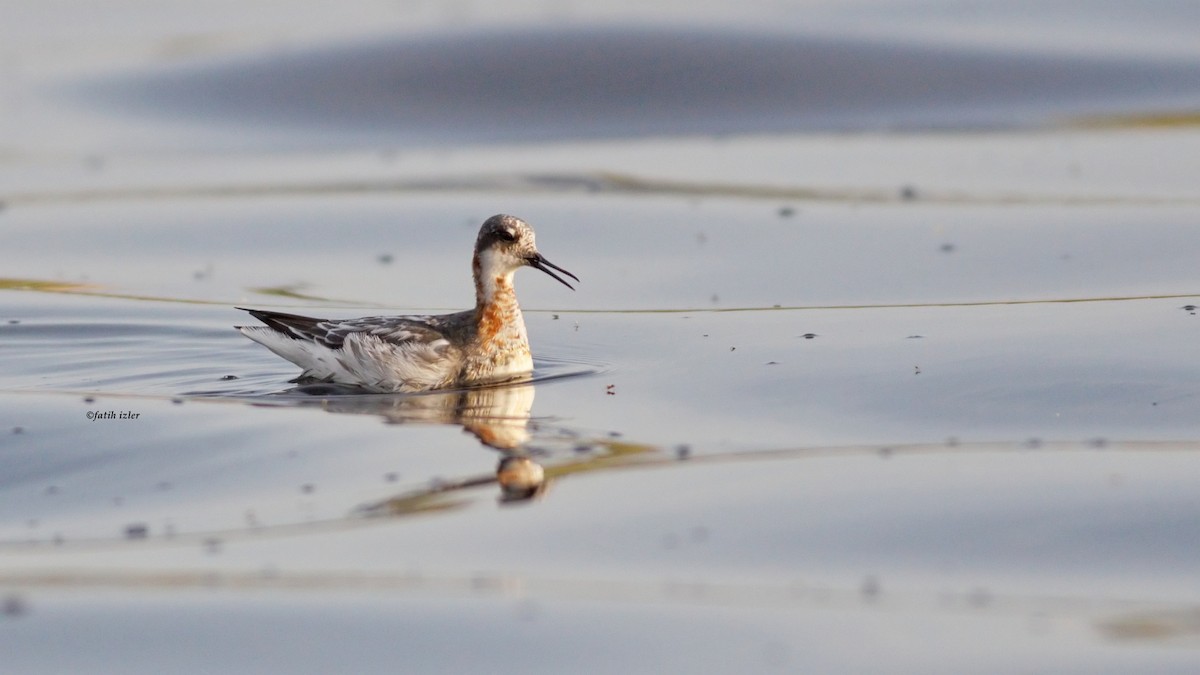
x=870, y=588
x=14, y=606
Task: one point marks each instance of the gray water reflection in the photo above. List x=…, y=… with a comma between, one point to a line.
x=604, y=82
x=499, y=416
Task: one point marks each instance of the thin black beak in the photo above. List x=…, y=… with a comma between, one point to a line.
x=537, y=262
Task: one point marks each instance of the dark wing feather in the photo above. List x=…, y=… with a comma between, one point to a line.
x=298, y=327
x=332, y=332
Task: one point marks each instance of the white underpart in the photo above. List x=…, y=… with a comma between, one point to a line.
x=519, y=364
x=364, y=360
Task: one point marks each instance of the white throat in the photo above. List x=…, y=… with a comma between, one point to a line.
x=495, y=278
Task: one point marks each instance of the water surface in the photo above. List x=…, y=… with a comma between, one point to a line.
x=928, y=387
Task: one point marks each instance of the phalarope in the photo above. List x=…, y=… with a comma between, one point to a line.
x=418, y=353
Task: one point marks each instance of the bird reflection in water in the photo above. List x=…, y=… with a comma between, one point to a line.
x=499, y=416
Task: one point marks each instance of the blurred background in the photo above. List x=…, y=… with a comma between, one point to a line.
x=884, y=355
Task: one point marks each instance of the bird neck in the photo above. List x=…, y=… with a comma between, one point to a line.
x=497, y=314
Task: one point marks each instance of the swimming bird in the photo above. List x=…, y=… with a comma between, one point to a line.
x=487, y=344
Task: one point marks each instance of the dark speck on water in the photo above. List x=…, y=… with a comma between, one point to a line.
x=136, y=531
x=13, y=322
x=89, y=399
x=385, y=258
x=14, y=605
x=980, y=597
x=787, y=212
x=870, y=588
x=809, y=336
x=947, y=248
x=18, y=430
x=229, y=377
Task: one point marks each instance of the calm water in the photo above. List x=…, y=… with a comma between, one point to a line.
x=918, y=397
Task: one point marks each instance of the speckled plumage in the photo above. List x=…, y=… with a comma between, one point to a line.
x=418, y=353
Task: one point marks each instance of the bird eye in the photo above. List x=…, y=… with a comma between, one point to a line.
x=506, y=235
